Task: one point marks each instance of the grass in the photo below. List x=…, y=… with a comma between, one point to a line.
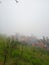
x=19, y=54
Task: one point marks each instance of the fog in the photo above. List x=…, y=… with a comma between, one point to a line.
x=25, y=17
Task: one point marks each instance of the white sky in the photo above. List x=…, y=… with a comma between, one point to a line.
x=27, y=17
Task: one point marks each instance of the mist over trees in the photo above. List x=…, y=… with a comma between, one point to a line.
x=23, y=50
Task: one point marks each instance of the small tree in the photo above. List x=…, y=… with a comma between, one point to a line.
x=44, y=40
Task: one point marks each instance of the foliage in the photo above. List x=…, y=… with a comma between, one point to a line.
x=13, y=52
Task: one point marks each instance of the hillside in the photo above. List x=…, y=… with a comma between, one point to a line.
x=13, y=52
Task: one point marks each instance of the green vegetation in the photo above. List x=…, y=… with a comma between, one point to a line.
x=13, y=52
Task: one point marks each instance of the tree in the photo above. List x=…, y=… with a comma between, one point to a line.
x=44, y=40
